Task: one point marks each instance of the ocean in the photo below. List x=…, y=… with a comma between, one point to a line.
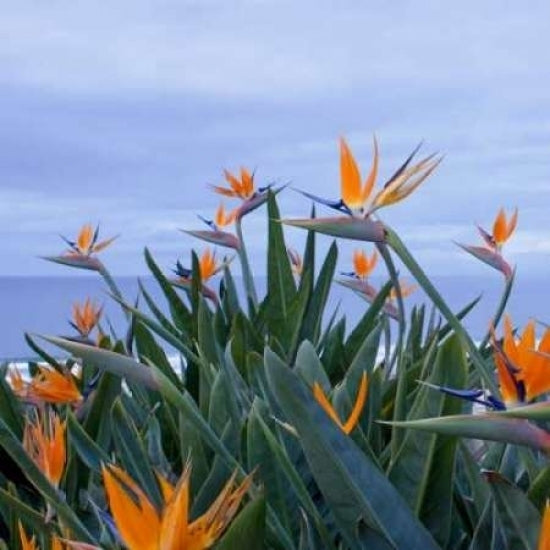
x=42, y=305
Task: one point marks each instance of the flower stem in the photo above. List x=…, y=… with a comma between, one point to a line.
x=397, y=357
x=113, y=287
x=500, y=309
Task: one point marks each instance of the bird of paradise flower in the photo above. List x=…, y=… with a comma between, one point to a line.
x=355, y=200
x=83, y=249
x=169, y=528
x=522, y=368
x=217, y=234
x=491, y=253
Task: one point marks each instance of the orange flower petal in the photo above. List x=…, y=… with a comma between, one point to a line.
x=371, y=179
x=508, y=389
x=84, y=239
x=350, y=178
x=360, y=400
x=136, y=519
x=326, y=405
x=544, y=535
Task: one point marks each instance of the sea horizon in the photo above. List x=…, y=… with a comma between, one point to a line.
x=42, y=304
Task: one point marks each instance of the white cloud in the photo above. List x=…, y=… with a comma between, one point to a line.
x=271, y=49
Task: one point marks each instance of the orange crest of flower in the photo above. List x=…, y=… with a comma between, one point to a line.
x=44, y=442
x=544, y=535
x=85, y=317
x=363, y=266
x=26, y=543
x=52, y=386
x=503, y=228
x=208, y=265
x=242, y=188
x=223, y=219
x=355, y=195
x=355, y=414
x=87, y=243
x=522, y=366
x=170, y=529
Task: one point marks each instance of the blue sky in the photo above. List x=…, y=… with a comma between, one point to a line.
x=122, y=115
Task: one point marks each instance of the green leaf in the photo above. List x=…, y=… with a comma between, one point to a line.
x=423, y=470
x=309, y=367
x=149, y=351
x=247, y=530
x=275, y=454
x=520, y=520
x=91, y=454
x=353, y=487
x=180, y=313
x=406, y=257
x=314, y=316
x=133, y=454
x=280, y=280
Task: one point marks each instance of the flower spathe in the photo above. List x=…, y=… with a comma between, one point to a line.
x=44, y=442
x=348, y=426
x=143, y=527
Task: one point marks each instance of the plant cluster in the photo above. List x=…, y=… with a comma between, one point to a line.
x=279, y=426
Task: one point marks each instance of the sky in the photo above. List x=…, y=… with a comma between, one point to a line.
x=123, y=113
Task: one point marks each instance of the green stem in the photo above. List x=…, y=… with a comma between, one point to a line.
x=406, y=257
x=397, y=358
x=500, y=309
x=247, y=273
x=113, y=287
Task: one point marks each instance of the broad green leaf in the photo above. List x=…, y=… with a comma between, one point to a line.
x=309, y=367
x=423, y=469
x=180, y=313
x=247, y=530
x=520, y=520
x=311, y=328
x=353, y=487
x=280, y=281
x=133, y=453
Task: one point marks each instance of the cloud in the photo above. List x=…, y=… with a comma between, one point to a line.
x=249, y=49
x=122, y=113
